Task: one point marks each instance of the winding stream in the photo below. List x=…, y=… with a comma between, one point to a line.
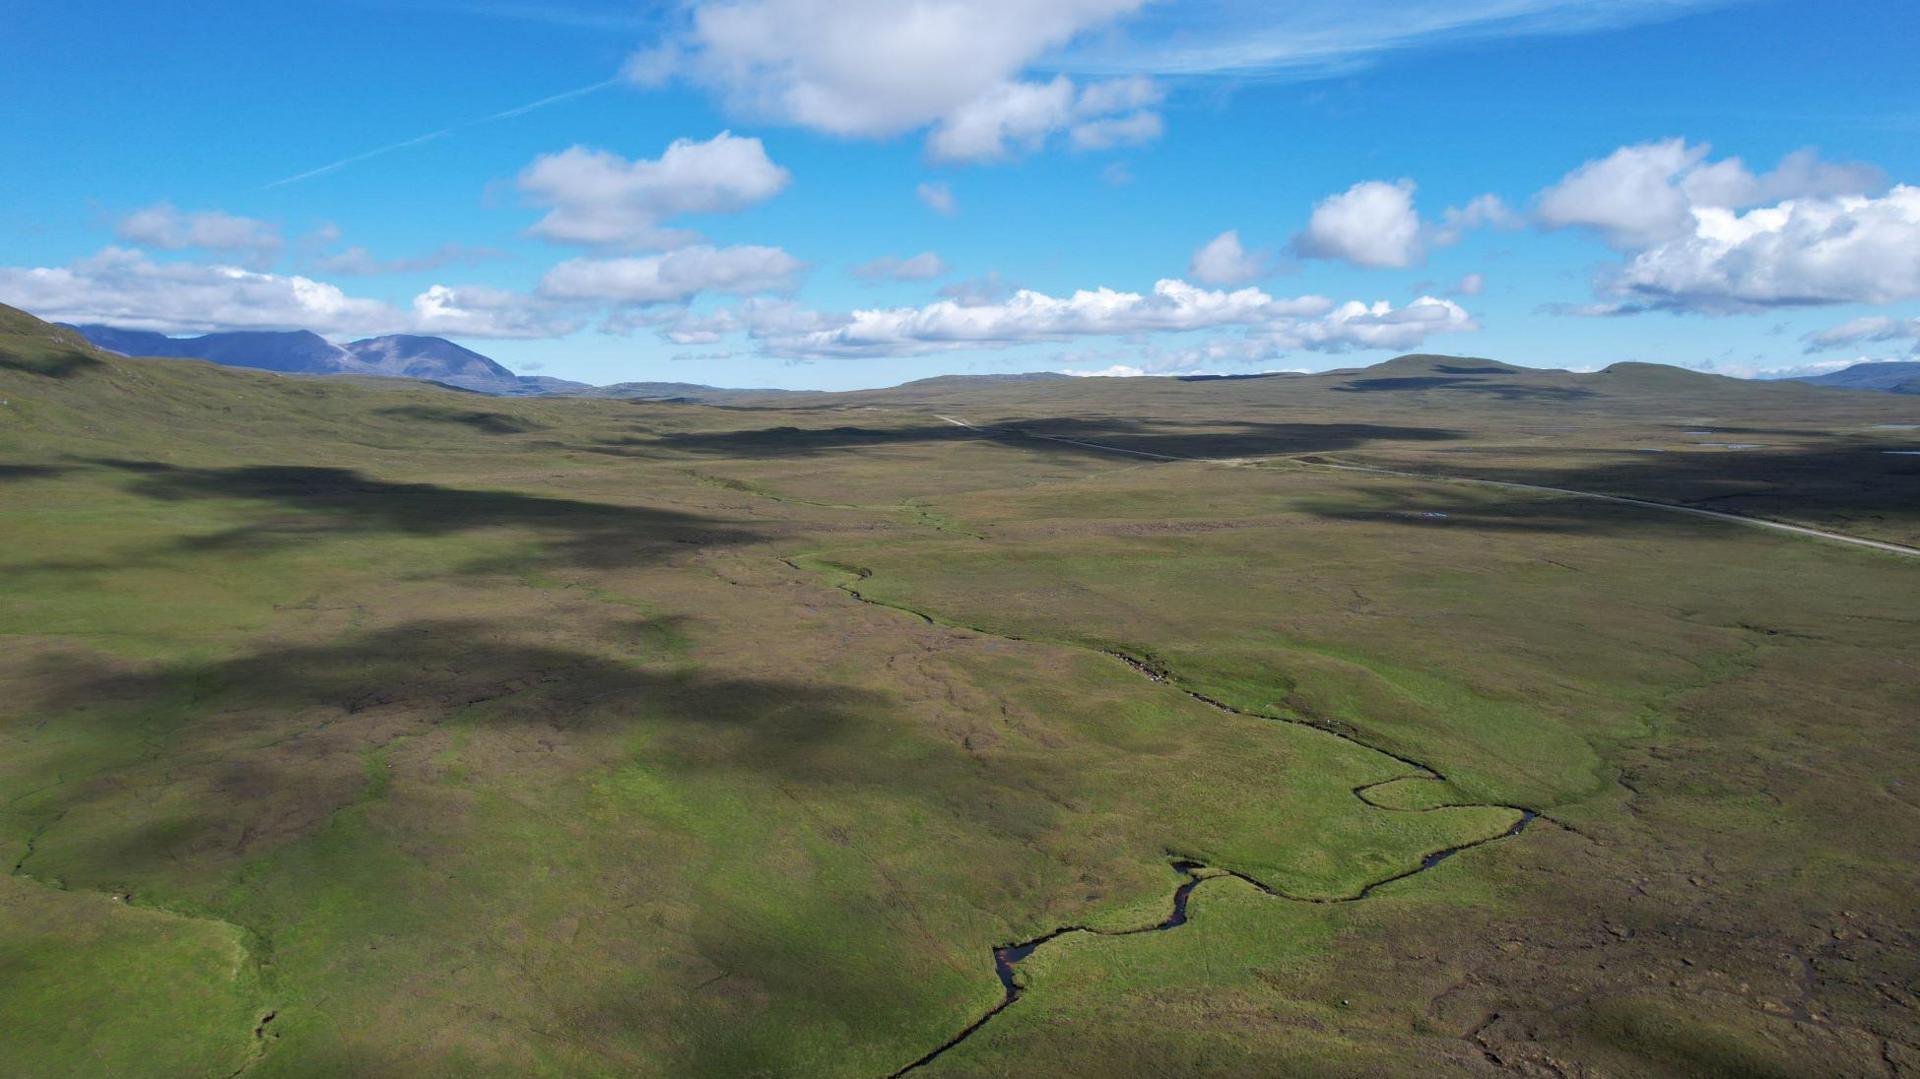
x=1007, y=957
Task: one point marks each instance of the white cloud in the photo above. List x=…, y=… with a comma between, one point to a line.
x=1273, y=325
x=1222, y=261
x=1215, y=355
x=921, y=267
x=1021, y=116
x=1113, y=97
x=1131, y=123
x=885, y=67
x=1647, y=194
x=1371, y=224
x=162, y=225
x=1356, y=325
x=766, y=317
x=1472, y=284
x=1113, y=132
x=601, y=199
x=938, y=197
x=477, y=311
x=674, y=277
x=1482, y=212
x=126, y=288
x=1870, y=328
x=867, y=67
x=1630, y=196
x=1013, y=115
x=1033, y=316
x=1806, y=251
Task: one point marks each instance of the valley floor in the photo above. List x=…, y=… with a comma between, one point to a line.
x=379, y=731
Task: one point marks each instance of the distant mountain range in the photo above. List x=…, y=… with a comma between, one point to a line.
x=434, y=359
x=1899, y=376
x=306, y=353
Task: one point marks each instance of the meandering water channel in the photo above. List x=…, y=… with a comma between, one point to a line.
x=1007, y=957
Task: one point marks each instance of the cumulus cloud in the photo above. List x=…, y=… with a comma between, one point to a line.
x=866, y=67
x=1356, y=325
x=1272, y=325
x=1872, y=328
x=921, y=267
x=1631, y=196
x=600, y=199
x=1223, y=261
x=478, y=311
x=1013, y=115
x=674, y=277
x=1647, y=194
x=1371, y=224
x=876, y=68
x=1034, y=316
x=1472, y=284
x=1021, y=116
x=938, y=197
x=1216, y=355
x=1806, y=251
x=170, y=229
x=124, y=287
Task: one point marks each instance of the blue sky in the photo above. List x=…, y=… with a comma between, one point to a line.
x=865, y=192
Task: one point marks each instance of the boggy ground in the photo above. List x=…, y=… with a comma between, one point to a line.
x=368, y=730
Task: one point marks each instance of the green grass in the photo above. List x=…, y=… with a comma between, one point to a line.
x=555, y=743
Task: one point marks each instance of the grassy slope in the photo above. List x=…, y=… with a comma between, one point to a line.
x=481, y=736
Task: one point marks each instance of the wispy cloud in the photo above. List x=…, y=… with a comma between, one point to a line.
x=1314, y=37
x=433, y=136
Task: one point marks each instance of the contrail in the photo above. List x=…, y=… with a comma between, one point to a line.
x=508, y=114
